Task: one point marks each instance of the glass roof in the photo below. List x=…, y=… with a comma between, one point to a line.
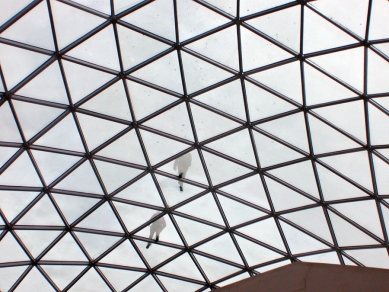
x=179, y=145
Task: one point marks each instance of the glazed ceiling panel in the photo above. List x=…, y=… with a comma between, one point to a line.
x=257, y=131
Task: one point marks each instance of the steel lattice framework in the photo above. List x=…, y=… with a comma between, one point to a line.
x=211, y=188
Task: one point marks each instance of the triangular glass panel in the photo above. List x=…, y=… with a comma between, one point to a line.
x=26, y=62
x=178, y=125
x=115, y=175
x=284, y=198
x=73, y=207
x=133, y=216
x=102, y=218
x=101, y=5
x=99, y=49
x=326, y=139
x=379, y=22
x=173, y=194
x=52, y=165
x=355, y=121
x=221, y=169
x=354, y=165
x=347, y=234
x=112, y=101
x=258, y=52
x=34, y=23
x=194, y=19
x=249, y=189
x=348, y=13
x=10, y=275
x=160, y=148
x=6, y=153
x=174, y=285
x=320, y=34
x=227, y=98
x=90, y=281
x=200, y=74
x=126, y=148
x=97, y=130
x=182, y=266
x=381, y=170
x=228, y=6
x=169, y=77
x=11, y=10
x=138, y=47
x=21, y=173
x=204, y=208
x=157, y=253
x=263, y=104
x=12, y=203
x=285, y=79
x=346, y=65
x=156, y=17
x=300, y=242
x=374, y=258
x=55, y=137
x=147, y=284
x=379, y=126
x=237, y=213
x=214, y=269
x=72, y=23
x=228, y=145
x=300, y=175
x=10, y=133
x=222, y=247
x=221, y=47
x=42, y=213
x=34, y=281
x=120, y=279
x=188, y=165
x=313, y=220
x=48, y=85
x=265, y=231
x=33, y=117
x=65, y=250
x=82, y=179
x=143, y=191
x=254, y=253
x=364, y=213
x=324, y=258
x=203, y=118
x=146, y=100
x=123, y=255
x=320, y=89
x=168, y=233
x=282, y=25
x=62, y=274
x=96, y=244
x=83, y=80
x=37, y=240
x=194, y=231
x=249, y=7
x=11, y=250
x=336, y=188
x=271, y=152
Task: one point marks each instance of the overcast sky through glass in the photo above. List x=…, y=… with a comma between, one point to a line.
x=245, y=134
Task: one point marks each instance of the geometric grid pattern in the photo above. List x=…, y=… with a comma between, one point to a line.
x=283, y=106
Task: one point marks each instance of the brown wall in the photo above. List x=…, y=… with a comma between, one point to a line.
x=313, y=277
